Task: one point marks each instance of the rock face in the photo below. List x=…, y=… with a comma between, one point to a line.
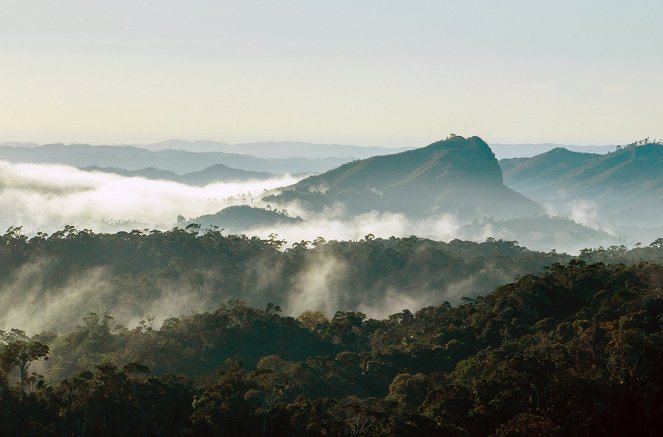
x=624, y=186
x=458, y=176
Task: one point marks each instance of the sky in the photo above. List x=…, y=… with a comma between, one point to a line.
x=367, y=72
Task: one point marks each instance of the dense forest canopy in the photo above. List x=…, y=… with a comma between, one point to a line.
x=130, y=275
x=575, y=350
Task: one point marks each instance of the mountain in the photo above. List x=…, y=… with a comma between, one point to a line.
x=238, y=219
x=458, y=175
x=277, y=149
x=624, y=186
x=214, y=173
x=178, y=161
x=507, y=151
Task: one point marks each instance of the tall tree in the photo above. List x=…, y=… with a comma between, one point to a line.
x=20, y=351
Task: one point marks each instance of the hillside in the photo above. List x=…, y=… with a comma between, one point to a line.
x=238, y=219
x=575, y=350
x=625, y=186
x=458, y=176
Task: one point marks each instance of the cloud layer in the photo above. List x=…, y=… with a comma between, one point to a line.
x=46, y=197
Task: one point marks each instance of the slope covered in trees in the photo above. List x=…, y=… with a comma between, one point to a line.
x=239, y=218
x=625, y=186
x=458, y=176
x=576, y=350
x=133, y=274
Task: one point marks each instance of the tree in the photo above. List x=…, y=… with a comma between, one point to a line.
x=657, y=244
x=20, y=351
x=313, y=320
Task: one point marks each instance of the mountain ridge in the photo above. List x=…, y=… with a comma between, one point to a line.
x=276, y=149
x=178, y=161
x=456, y=175
x=626, y=185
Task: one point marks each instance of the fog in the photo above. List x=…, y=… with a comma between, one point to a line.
x=27, y=303
x=379, y=224
x=46, y=197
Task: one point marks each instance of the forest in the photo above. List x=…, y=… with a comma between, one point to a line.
x=331, y=219
x=566, y=346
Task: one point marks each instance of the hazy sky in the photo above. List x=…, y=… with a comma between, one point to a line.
x=362, y=72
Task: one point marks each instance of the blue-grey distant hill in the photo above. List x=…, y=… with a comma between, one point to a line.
x=507, y=151
x=458, y=175
x=214, y=173
x=626, y=186
x=178, y=161
x=278, y=149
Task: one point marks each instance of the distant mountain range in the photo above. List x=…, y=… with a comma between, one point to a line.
x=619, y=191
x=277, y=149
x=178, y=161
x=506, y=151
x=294, y=149
x=214, y=173
x=458, y=175
x=625, y=186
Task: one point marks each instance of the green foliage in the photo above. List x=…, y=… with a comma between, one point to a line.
x=577, y=350
x=20, y=351
x=138, y=268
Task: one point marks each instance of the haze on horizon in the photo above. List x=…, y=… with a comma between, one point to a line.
x=369, y=73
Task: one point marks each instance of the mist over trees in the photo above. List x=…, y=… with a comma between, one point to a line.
x=201, y=329
x=623, y=187
x=132, y=274
x=450, y=189
x=573, y=350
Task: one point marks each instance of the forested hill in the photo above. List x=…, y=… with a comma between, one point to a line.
x=625, y=186
x=235, y=219
x=134, y=274
x=458, y=175
x=576, y=350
